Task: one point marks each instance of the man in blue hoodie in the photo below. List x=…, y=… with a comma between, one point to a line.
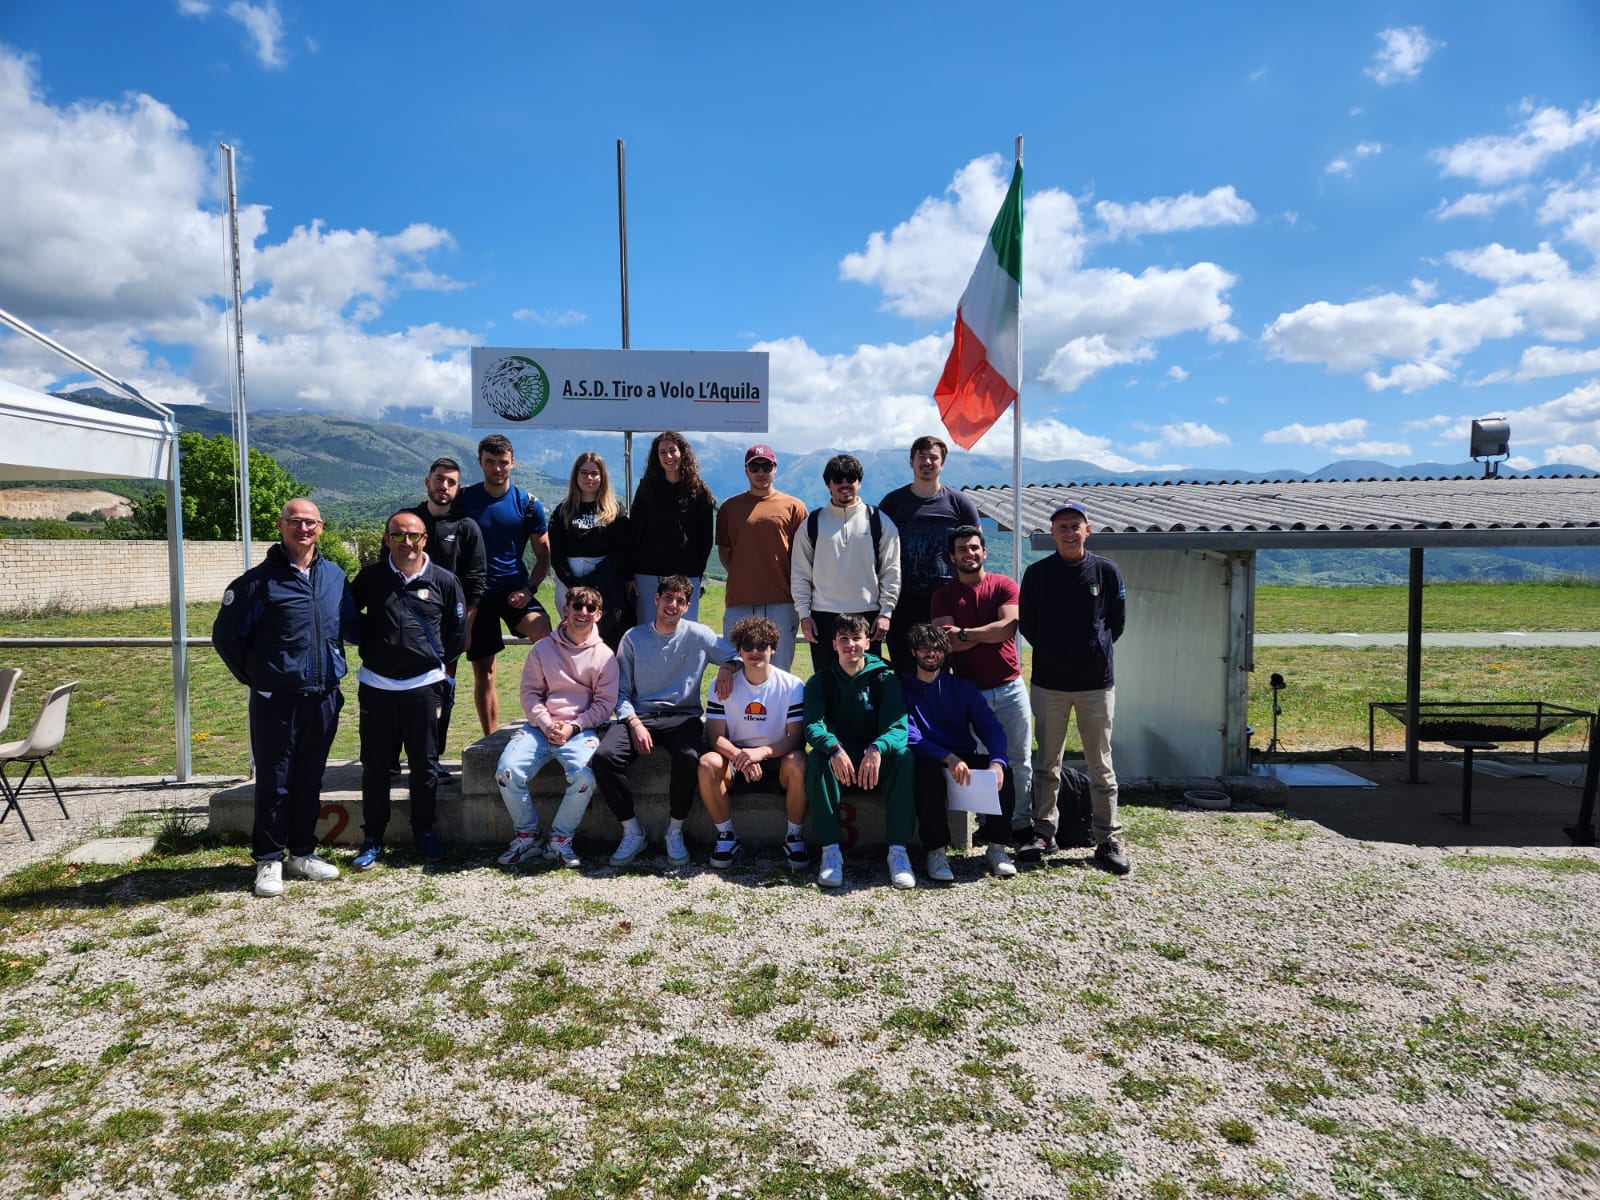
x=279, y=633
x=945, y=711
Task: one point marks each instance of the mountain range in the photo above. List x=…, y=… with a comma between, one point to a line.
x=362, y=470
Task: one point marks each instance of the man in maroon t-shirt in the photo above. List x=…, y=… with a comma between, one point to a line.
x=979, y=610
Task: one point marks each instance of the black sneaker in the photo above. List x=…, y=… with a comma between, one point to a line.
x=796, y=854
x=1110, y=856
x=1035, y=848
x=727, y=846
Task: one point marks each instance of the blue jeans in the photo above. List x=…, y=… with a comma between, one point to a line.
x=1015, y=714
x=520, y=761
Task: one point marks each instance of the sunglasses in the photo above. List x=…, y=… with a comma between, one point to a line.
x=760, y=468
x=757, y=646
x=577, y=606
x=397, y=535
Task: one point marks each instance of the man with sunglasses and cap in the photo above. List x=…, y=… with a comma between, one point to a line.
x=408, y=617
x=755, y=736
x=755, y=541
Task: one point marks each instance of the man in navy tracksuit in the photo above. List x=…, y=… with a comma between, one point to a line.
x=279, y=633
x=408, y=615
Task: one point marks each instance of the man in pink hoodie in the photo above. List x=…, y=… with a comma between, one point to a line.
x=569, y=688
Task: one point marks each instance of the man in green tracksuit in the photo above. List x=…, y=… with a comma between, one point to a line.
x=856, y=726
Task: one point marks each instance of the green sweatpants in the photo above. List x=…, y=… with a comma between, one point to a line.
x=894, y=782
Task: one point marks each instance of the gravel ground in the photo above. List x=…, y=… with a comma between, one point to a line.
x=1263, y=1008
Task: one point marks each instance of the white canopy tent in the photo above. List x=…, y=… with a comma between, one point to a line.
x=45, y=437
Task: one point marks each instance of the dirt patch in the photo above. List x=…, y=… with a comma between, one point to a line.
x=33, y=504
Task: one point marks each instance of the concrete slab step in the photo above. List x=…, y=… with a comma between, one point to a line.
x=471, y=811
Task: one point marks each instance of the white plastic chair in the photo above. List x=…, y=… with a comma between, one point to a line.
x=8, y=689
x=40, y=743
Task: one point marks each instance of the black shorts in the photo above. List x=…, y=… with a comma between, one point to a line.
x=486, y=640
x=769, y=781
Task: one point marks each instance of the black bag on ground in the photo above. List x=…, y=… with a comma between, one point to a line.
x=1074, y=810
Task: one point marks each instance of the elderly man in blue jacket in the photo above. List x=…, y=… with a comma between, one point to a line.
x=279, y=632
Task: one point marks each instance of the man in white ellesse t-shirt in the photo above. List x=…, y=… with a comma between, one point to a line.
x=755, y=737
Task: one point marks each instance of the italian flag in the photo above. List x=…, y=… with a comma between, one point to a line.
x=982, y=375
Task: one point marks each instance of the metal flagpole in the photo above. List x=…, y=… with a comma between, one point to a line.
x=622, y=242
x=1016, y=431
x=241, y=431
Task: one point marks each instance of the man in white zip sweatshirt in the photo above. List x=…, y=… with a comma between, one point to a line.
x=846, y=562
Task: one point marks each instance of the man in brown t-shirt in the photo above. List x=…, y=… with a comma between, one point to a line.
x=755, y=533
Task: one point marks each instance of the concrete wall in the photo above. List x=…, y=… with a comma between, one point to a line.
x=82, y=575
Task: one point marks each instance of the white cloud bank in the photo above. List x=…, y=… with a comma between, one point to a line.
x=121, y=272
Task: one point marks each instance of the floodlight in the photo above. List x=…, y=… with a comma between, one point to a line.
x=1491, y=440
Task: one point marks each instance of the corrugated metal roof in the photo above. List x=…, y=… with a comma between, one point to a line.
x=1460, y=511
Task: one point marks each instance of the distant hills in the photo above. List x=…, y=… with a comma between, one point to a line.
x=364, y=469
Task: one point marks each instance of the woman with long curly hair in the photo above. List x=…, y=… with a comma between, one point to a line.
x=671, y=522
x=589, y=544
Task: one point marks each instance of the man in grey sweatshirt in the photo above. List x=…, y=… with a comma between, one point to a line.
x=660, y=668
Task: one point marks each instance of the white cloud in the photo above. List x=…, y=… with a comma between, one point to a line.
x=1570, y=420
x=1408, y=377
x=1342, y=164
x=1080, y=320
x=550, y=316
x=1425, y=339
x=1545, y=133
x=1579, y=208
x=1542, y=362
x=1583, y=455
x=120, y=273
x=1170, y=214
x=1315, y=435
x=1480, y=204
x=1500, y=265
x=1401, y=54
x=265, y=28
x=1146, y=449
x=1084, y=357
x=1371, y=449
x=262, y=23
x=1193, y=434
x=1177, y=374
x=819, y=399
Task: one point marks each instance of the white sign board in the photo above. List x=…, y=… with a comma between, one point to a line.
x=704, y=391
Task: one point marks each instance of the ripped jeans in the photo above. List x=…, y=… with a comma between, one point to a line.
x=520, y=761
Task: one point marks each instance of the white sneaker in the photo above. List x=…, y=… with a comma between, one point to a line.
x=524, y=848
x=309, y=866
x=677, y=852
x=269, y=878
x=939, y=867
x=900, y=873
x=629, y=848
x=1000, y=864
x=831, y=874
x=562, y=853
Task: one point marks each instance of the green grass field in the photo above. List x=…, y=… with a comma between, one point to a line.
x=122, y=716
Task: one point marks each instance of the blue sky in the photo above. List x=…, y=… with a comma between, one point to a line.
x=1255, y=236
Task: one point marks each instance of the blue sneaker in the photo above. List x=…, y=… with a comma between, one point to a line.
x=367, y=857
x=430, y=847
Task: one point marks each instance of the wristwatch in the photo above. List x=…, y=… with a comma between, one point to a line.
x=961, y=635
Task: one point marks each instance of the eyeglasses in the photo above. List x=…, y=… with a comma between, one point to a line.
x=756, y=646
x=578, y=606
x=302, y=522
x=760, y=468
x=397, y=535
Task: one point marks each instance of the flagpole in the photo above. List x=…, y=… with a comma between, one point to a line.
x=1016, y=434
